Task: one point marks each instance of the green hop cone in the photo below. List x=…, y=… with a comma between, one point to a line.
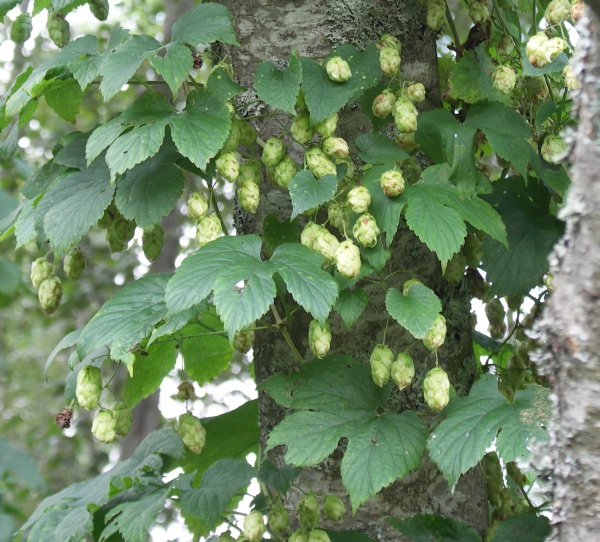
x=493, y=478
x=103, y=427
x=319, y=339
x=185, y=391
x=248, y=195
x=123, y=418
x=389, y=61
x=114, y=243
x=334, y=508
x=89, y=387
x=347, y=259
x=506, y=45
x=273, y=151
x=383, y=104
x=338, y=215
x=403, y=370
x=326, y=243
x=571, y=80
x=365, y=230
x=254, y=526
x=553, y=48
x=41, y=269
x=58, y=29
x=99, y=9
x=455, y=268
x=336, y=147
x=308, y=511
x=278, y=519
x=251, y=170
x=319, y=163
x=301, y=129
x=191, y=431
x=233, y=139
x=247, y=134
x=494, y=310
x=338, y=69
x=108, y=218
x=327, y=126
x=535, y=49
x=557, y=12
x=359, y=199
x=381, y=362
x=74, y=263
x=284, y=172
x=554, y=149
x=208, y=229
x=505, y=79
x=387, y=40
x=226, y=537
x=20, y=29
x=436, y=14
x=197, y=207
x=317, y=535
x=152, y=241
x=298, y=536
x=228, y=166
x=405, y=115
x=50, y=294
x=479, y=12
x=309, y=234
x=472, y=250
x=576, y=10
x=415, y=92
x=436, y=334
x=436, y=388
x=243, y=339
x=123, y=229
x=407, y=142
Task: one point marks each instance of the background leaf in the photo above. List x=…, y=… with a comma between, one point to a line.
x=350, y=305
x=279, y=88
x=432, y=528
x=174, y=66
x=204, y=24
x=379, y=149
x=537, y=529
x=307, y=192
x=415, y=311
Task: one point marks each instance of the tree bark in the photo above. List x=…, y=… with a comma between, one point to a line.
x=571, y=325
x=269, y=30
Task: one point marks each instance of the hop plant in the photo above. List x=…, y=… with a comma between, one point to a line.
x=403, y=370
x=309, y=234
x=152, y=241
x=308, y=511
x=415, y=92
x=233, y=139
x=337, y=215
x=335, y=146
x=99, y=9
x=254, y=526
x=197, y=207
x=338, y=69
x=387, y=40
x=208, y=229
x=243, y=339
x=389, y=60
x=436, y=14
x=479, y=12
x=557, y=12
x=103, y=426
x=89, y=387
x=383, y=104
x=301, y=129
x=185, y=391
x=359, y=199
x=41, y=269
x=571, y=81
x=251, y=170
x=347, y=259
x=505, y=79
x=553, y=48
x=317, y=535
x=327, y=126
x=455, y=269
x=226, y=537
x=405, y=115
x=319, y=163
x=326, y=243
x=123, y=418
x=248, y=195
x=273, y=151
x=381, y=362
x=494, y=310
x=248, y=134
x=50, y=294
x=298, y=536
x=20, y=29
x=392, y=183
x=553, y=149
x=436, y=389
x=228, y=166
x=278, y=519
x=334, y=508
x=506, y=45
x=192, y=432
x=123, y=229
x=58, y=29
x=436, y=334
x=74, y=263
x=576, y=10
x=365, y=230
x=319, y=338
x=535, y=49
x=284, y=172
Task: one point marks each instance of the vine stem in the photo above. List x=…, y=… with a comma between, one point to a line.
x=286, y=334
x=218, y=214
x=452, y=26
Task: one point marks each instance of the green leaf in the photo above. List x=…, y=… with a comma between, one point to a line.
x=10, y=144
x=148, y=191
x=11, y=281
x=335, y=397
x=379, y=149
x=531, y=232
x=221, y=86
x=123, y=61
x=126, y=318
x=277, y=233
x=377, y=256
x=174, y=65
x=556, y=66
x=205, y=354
x=385, y=210
x=505, y=129
x=471, y=80
x=17, y=466
x=366, y=104
x=204, y=24
x=69, y=340
x=348, y=536
x=149, y=370
x=307, y=192
x=472, y=423
x=351, y=304
x=25, y=225
x=278, y=477
x=74, y=204
x=432, y=528
x=415, y=311
x=133, y=519
x=324, y=96
x=220, y=483
x=6, y=6
x=87, y=66
x=65, y=100
x=279, y=88
x=511, y=529
x=201, y=129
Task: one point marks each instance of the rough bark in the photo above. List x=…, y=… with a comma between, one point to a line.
x=571, y=326
x=269, y=30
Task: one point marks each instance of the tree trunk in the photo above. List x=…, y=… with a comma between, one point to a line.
x=269, y=30
x=571, y=326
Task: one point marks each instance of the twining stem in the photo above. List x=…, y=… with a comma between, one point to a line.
x=286, y=334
